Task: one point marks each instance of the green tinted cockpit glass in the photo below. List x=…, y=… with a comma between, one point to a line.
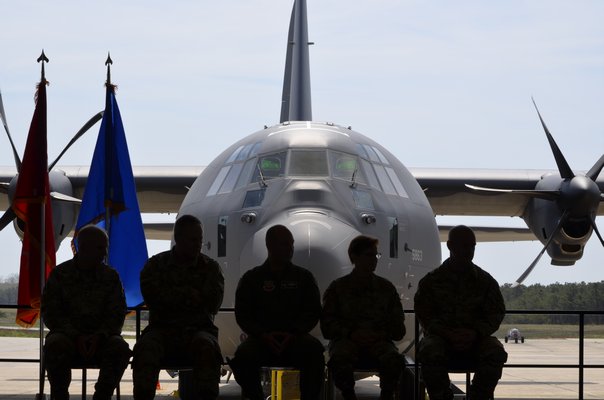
x=270, y=166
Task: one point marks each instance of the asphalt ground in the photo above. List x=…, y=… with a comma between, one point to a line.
x=20, y=380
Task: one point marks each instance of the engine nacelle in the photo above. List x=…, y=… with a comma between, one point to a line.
x=542, y=216
x=64, y=213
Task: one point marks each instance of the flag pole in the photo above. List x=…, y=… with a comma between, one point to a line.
x=41, y=377
x=108, y=63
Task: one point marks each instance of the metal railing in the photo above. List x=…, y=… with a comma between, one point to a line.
x=581, y=366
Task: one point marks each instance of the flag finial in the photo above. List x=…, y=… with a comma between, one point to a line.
x=44, y=59
x=108, y=64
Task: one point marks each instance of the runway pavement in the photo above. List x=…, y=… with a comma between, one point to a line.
x=20, y=380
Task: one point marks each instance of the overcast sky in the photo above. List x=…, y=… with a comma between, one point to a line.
x=440, y=84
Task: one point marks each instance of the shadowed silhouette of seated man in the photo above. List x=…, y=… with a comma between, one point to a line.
x=84, y=307
x=183, y=289
x=459, y=307
x=277, y=304
x=362, y=316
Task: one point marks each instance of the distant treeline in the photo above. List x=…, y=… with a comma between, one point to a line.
x=8, y=289
x=560, y=297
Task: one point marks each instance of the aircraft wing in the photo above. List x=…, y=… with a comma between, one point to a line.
x=160, y=189
x=492, y=233
x=448, y=195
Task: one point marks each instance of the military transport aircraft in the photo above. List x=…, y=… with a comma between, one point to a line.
x=328, y=183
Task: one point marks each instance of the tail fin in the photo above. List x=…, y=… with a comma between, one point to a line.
x=296, y=99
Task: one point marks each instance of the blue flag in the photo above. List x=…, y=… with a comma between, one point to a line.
x=110, y=201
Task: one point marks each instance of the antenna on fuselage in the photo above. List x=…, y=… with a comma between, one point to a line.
x=296, y=101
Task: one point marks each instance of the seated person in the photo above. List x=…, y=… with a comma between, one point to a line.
x=183, y=289
x=362, y=316
x=277, y=304
x=84, y=308
x=459, y=307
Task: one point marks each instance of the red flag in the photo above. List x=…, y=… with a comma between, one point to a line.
x=31, y=195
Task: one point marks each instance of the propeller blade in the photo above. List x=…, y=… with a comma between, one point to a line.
x=10, y=139
x=81, y=132
x=563, y=166
x=536, y=260
x=542, y=194
x=65, y=198
x=595, y=170
x=7, y=218
x=593, y=225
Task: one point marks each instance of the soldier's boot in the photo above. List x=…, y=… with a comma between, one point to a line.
x=391, y=368
x=485, y=380
x=112, y=365
x=437, y=382
x=343, y=378
x=248, y=378
x=386, y=394
x=101, y=396
x=59, y=379
x=206, y=373
x=145, y=381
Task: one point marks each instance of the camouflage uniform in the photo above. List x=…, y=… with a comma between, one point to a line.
x=78, y=301
x=373, y=304
x=289, y=302
x=183, y=300
x=447, y=299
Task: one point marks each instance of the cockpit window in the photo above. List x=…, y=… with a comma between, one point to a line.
x=384, y=179
x=373, y=181
x=380, y=155
x=308, y=163
x=234, y=155
x=218, y=181
x=372, y=155
x=396, y=182
x=244, y=177
x=236, y=170
x=346, y=166
x=378, y=171
x=270, y=166
x=230, y=179
x=255, y=149
x=244, y=152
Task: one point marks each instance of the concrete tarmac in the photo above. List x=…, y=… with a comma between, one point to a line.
x=20, y=380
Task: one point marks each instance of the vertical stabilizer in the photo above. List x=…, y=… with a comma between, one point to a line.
x=296, y=102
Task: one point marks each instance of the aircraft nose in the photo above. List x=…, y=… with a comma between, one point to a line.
x=320, y=245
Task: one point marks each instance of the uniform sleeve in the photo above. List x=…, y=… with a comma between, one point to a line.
x=52, y=308
x=115, y=308
x=493, y=310
x=425, y=310
x=396, y=322
x=310, y=312
x=246, y=306
x=212, y=291
x=333, y=326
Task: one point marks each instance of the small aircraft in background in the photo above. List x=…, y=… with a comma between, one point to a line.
x=515, y=335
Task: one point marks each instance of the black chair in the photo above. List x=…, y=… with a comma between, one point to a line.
x=84, y=365
x=463, y=366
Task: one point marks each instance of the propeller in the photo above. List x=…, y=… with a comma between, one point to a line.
x=9, y=214
x=10, y=139
x=79, y=134
x=576, y=196
x=530, y=268
x=563, y=167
